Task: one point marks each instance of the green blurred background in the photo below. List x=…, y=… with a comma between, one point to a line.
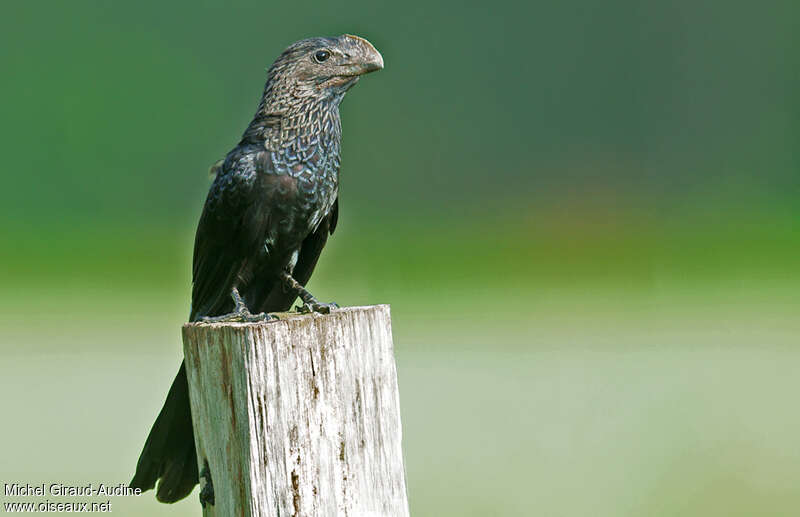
x=584, y=215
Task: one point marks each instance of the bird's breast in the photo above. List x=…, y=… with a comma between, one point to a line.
x=312, y=171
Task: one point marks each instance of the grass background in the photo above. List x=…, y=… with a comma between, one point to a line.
x=584, y=217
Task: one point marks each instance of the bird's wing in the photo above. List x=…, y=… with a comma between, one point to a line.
x=234, y=222
x=313, y=244
x=278, y=298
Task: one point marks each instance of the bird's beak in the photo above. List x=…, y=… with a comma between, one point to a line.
x=366, y=58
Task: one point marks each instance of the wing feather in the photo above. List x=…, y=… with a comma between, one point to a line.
x=233, y=225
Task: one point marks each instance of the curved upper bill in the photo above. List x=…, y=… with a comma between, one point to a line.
x=365, y=57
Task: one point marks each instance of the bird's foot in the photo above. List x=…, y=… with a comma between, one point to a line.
x=316, y=306
x=240, y=314
x=310, y=304
x=207, y=490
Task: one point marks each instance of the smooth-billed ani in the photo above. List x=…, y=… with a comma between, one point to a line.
x=268, y=214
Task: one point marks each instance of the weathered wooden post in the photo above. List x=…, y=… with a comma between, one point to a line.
x=298, y=417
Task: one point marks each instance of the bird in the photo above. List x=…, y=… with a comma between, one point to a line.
x=268, y=214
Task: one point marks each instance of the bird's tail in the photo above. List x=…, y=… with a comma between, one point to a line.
x=169, y=453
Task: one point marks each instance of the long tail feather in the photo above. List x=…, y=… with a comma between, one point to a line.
x=169, y=453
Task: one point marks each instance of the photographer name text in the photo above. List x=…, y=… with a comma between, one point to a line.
x=62, y=490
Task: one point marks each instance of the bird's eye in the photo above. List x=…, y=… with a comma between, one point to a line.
x=321, y=55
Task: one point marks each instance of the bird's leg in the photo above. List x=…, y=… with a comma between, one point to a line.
x=310, y=304
x=240, y=312
x=207, y=490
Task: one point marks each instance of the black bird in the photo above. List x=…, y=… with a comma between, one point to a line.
x=268, y=214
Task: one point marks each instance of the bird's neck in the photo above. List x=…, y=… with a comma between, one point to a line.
x=301, y=124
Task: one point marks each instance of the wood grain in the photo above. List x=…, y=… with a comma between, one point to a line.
x=299, y=417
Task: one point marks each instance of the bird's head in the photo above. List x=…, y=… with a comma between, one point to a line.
x=323, y=67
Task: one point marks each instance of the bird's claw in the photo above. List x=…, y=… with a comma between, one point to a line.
x=240, y=313
x=321, y=308
x=239, y=317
